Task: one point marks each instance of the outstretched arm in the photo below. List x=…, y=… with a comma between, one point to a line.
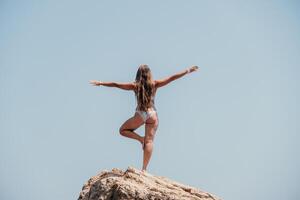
x=165, y=81
x=124, y=86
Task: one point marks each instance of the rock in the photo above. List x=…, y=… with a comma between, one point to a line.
x=134, y=184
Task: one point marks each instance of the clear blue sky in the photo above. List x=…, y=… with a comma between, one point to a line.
x=231, y=128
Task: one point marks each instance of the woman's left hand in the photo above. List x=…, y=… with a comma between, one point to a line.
x=95, y=83
x=194, y=68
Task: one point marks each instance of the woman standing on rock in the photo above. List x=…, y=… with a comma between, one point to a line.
x=144, y=88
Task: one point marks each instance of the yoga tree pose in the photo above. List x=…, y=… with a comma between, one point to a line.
x=144, y=88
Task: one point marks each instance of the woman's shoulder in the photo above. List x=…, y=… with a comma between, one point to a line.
x=154, y=82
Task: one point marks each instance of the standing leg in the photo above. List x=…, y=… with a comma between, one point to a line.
x=150, y=130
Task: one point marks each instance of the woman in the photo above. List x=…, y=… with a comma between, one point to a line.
x=144, y=88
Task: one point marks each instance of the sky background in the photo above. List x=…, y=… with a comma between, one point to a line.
x=231, y=128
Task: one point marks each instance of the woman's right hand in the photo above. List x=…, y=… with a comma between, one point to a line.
x=95, y=83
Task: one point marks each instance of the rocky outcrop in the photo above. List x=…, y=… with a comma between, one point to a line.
x=134, y=184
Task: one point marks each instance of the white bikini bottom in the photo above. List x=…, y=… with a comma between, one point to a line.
x=146, y=115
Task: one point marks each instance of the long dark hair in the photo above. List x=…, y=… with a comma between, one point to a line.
x=144, y=89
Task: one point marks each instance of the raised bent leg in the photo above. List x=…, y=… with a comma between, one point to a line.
x=128, y=127
x=150, y=130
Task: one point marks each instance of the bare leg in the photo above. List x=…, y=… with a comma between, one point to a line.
x=150, y=129
x=147, y=154
x=131, y=134
x=128, y=127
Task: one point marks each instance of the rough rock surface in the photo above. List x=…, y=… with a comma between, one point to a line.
x=134, y=184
